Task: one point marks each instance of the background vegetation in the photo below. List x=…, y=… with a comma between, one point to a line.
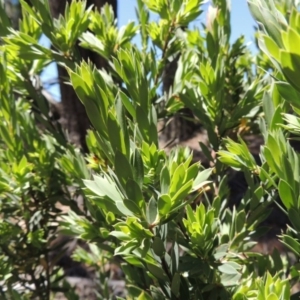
x=106, y=166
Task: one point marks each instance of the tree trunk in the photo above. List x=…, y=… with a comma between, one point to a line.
x=75, y=119
x=183, y=124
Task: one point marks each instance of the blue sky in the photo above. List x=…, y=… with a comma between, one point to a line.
x=241, y=18
x=242, y=24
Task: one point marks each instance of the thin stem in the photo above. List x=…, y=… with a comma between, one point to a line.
x=166, y=268
x=183, y=231
x=48, y=287
x=165, y=47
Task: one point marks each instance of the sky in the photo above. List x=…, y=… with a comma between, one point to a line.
x=241, y=19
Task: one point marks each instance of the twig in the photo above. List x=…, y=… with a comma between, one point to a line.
x=165, y=47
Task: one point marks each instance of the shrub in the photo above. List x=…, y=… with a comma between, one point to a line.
x=165, y=217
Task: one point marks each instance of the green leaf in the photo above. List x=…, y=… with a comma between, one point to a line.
x=277, y=119
x=5, y=23
x=152, y=211
x=82, y=88
x=286, y=194
x=230, y=159
x=157, y=293
x=291, y=243
x=261, y=12
x=291, y=68
x=134, y=193
x=89, y=41
x=131, y=272
x=116, y=135
x=277, y=259
x=123, y=125
x=143, y=124
x=177, y=179
x=132, y=206
x=174, y=257
x=268, y=106
x=272, y=296
x=240, y=221
x=144, y=296
x=206, y=151
x=221, y=251
x=230, y=279
x=138, y=168
x=133, y=260
x=7, y=138
x=164, y=205
x=182, y=192
x=227, y=268
x=293, y=122
x=143, y=93
x=192, y=172
x=272, y=47
x=157, y=272
x=201, y=179
x=290, y=94
x=123, y=168
x=291, y=40
x=128, y=104
x=175, y=286
x=158, y=247
x=103, y=187
x=164, y=180
x=294, y=217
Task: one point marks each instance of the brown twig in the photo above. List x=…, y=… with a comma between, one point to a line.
x=165, y=47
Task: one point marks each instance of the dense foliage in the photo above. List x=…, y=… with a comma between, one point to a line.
x=165, y=217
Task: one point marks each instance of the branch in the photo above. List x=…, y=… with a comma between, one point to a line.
x=56, y=108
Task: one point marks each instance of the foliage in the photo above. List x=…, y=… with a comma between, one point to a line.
x=166, y=217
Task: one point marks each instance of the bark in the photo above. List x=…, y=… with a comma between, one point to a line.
x=74, y=118
x=183, y=124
